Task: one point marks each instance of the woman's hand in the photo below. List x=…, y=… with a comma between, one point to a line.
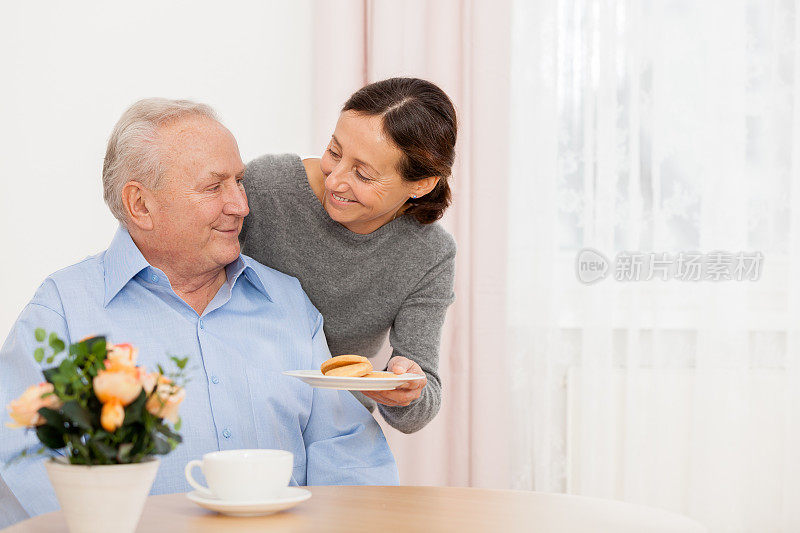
x=404, y=394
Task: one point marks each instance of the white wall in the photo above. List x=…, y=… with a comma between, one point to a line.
x=69, y=69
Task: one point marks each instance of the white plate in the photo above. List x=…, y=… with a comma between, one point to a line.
x=291, y=497
x=315, y=378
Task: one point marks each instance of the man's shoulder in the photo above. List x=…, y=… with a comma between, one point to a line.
x=84, y=271
x=79, y=278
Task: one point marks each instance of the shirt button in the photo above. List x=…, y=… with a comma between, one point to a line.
x=201, y=324
x=155, y=279
x=214, y=380
x=226, y=433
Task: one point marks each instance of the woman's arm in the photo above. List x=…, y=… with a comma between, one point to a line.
x=416, y=335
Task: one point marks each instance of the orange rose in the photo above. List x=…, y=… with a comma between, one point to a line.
x=121, y=355
x=167, y=398
x=24, y=410
x=112, y=415
x=120, y=384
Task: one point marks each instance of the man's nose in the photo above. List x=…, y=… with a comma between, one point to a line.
x=236, y=201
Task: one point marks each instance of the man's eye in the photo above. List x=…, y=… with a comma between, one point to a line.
x=240, y=181
x=334, y=154
x=361, y=176
x=214, y=187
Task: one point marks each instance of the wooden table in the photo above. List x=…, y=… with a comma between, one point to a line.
x=407, y=509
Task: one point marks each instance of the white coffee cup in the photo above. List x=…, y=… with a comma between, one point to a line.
x=243, y=475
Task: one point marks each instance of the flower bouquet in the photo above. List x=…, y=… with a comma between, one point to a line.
x=104, y=418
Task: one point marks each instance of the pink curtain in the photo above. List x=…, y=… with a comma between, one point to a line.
x=464, y=47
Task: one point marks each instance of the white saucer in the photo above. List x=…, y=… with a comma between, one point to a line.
x=317, y=379
x=290, y=498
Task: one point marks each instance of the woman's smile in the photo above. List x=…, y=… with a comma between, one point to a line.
x=341, y=200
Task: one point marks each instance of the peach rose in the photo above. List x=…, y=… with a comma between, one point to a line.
x=121, y=355
x=123, y=385
x=167, y=398
x=112, y=415
x=24, y=410
x=149, y=381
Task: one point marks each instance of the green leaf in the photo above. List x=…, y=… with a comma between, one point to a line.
x=53, y=418
x=55, y=376
x=124, y=453
x=91, y=341
x=161, y=446
x=78, y=445
x=98, y=347
x=106, y=453
x=133, y=413
x=178, y=424
x=68, y=375
x=51, y=437
x=51, y=359
x=67, y=367
x=180, y=363
x=164, y=430
x=38, y=354
x=139, y=443
x=58, y=347
x=80, y=350
x=77, y=415
x=40, y=334
x=49, y=374
x=56, y=344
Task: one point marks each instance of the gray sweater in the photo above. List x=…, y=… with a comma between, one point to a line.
x=396, y=280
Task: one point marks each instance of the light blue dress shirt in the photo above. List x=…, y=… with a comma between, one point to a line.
x=259, y=324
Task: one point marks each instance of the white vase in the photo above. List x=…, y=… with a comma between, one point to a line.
x=99, y=499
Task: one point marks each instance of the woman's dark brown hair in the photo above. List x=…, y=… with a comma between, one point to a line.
x=420, y=120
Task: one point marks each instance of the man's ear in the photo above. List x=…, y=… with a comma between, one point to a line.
x=135, y=199
x=424, y=186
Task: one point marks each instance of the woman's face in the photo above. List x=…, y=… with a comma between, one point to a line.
x=363, y=189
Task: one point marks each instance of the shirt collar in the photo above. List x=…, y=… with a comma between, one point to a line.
x=244, y=264
x=123, y=261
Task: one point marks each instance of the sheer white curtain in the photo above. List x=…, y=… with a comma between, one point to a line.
x=665, y=127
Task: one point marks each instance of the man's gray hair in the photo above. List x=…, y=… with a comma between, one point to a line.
x=133, y=151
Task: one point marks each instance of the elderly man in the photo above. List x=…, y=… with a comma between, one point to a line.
x=173, y=282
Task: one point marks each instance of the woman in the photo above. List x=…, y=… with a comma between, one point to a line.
x=358, y=229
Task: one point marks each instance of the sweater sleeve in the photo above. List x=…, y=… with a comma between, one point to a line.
x=416, y=334
x=270, y=182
